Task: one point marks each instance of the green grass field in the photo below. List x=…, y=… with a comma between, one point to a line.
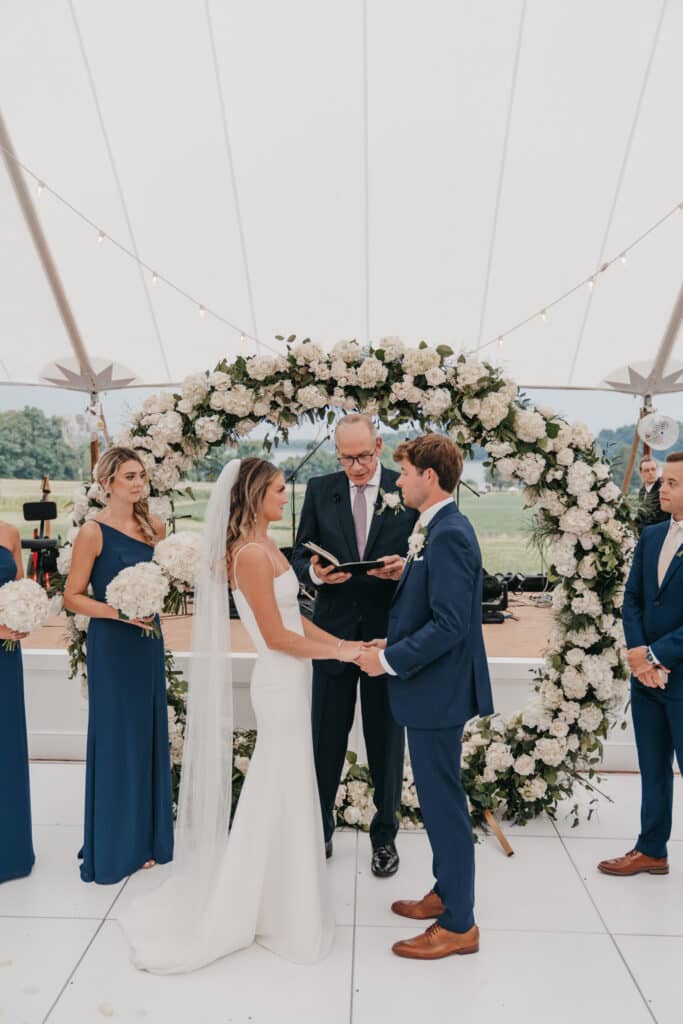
x=499, y=518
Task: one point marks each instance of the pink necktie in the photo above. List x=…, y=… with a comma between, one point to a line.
x=360, y=518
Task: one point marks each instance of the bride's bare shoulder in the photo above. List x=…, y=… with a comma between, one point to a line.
x=249, y=558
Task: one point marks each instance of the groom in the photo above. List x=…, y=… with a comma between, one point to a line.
x=438, y=679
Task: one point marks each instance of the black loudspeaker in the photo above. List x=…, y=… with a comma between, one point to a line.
x=39, y=511
x=494, y=599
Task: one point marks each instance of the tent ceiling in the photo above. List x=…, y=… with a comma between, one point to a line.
x=264, y=185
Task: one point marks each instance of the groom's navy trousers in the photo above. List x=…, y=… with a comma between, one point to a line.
x=435, y=646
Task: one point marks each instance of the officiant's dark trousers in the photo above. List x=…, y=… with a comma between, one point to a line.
x=334, y=701
x=435, y=759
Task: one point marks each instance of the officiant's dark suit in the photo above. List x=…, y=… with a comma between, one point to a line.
x=355, y=610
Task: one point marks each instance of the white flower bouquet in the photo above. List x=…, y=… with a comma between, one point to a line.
x=138, y=592
x=178, y=556
x=24, y=606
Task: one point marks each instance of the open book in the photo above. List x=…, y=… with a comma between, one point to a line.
x=355, y=568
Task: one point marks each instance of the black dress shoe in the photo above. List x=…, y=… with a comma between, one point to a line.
x=328, y=849
x=385, y=860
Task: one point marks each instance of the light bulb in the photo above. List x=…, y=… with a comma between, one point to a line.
x=101, y=237
x=41, y=187
x=155, y=277
x=242, y=339
x=623, y=257
x=544, y=315
x=591, y=283
x=202, y=312
x=500, y=341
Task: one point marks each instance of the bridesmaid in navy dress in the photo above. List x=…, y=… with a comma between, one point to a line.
x=16, y=844
x=128, y=804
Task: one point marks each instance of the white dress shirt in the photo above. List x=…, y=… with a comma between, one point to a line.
x=371, y=493
x=424, y=520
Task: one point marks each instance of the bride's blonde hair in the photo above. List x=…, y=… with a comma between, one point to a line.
x=107, y=468
x=254, y=479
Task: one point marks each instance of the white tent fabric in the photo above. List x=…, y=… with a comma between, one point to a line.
x=378, y=167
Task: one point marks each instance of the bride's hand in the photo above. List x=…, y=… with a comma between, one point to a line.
x=349, y=651
x=382, y=644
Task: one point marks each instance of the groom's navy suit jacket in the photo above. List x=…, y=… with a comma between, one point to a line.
x=434, y=641
x=356, y=609
x=653, y=615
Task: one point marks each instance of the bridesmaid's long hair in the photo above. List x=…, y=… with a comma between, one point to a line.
x=107, y=468
x=247, y=496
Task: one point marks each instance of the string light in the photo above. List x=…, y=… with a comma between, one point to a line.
x=542, y=312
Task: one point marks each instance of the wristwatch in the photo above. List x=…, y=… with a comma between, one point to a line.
x=650, y=658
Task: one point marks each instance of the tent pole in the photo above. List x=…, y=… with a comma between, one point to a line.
x=666, y=345
x=52, y=274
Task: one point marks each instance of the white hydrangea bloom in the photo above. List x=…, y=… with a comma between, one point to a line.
x=575, y=520
x=529, y=425
x=494, y=408
x=195, y=388
x=371, y=372
x=534, y=789
x=550, y=751
x=590, y=718
x=525, y=765
x=574, y=683
x=580, y=478
x=470, y=372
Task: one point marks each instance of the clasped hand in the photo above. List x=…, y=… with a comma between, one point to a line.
x=653, y=676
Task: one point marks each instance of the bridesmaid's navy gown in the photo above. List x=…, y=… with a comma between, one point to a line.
x=16, y=844
x=128, y=804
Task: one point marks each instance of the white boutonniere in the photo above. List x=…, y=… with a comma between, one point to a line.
x=390, y=500
x=416, y=542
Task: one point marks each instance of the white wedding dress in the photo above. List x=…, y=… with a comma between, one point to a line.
x=271, y=882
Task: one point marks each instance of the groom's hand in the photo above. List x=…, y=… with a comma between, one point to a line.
x=375, y=643
x=393, y=567
x=369, y=662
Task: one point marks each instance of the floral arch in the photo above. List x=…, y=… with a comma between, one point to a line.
x=524, y=764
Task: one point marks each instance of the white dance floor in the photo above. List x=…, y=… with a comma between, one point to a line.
x=560, y=942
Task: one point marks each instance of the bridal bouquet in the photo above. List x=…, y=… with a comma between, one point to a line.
x=138, y=592
x=178, y=556
x=24, y=606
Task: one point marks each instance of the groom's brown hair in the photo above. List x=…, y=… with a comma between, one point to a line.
x=434, y=451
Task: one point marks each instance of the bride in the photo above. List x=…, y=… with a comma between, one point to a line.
x=266, y=881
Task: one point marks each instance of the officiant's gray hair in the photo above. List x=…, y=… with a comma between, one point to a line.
x=352, y=418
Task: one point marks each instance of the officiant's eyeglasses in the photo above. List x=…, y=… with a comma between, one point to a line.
x=364, y=459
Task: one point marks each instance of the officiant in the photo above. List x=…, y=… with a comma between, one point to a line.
x=355, y=514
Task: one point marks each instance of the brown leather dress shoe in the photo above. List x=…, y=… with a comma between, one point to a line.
x=634, y=863
x=420, y=910
x=437, y=942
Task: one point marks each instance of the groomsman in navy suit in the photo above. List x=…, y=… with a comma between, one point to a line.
x=653, y=627
x=438, y=679
x=355, y=514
